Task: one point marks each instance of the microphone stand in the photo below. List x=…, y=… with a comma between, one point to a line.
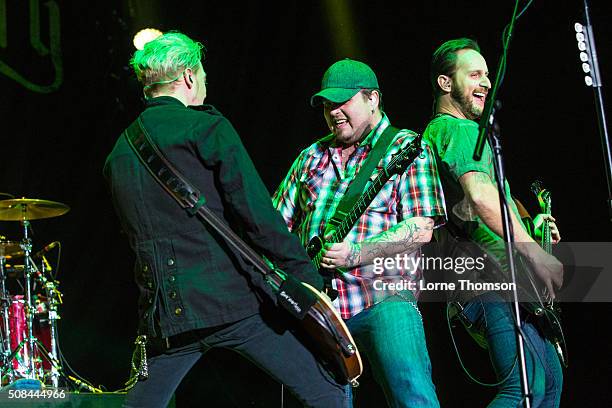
x=489, y=129
x=493, y=134
x=599, y=102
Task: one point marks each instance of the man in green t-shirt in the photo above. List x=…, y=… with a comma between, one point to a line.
x=460, y=82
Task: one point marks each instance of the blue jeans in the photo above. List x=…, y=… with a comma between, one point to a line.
x=390, y=335
x=279, y=354
x=495, y=318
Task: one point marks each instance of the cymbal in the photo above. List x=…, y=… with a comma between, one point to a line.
x=10, y=248
x=21, y=209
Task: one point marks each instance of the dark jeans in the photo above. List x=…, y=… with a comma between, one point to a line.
x=390, y=335
x=279, y=354
x=489, y=314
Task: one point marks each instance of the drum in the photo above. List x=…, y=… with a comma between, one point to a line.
x=42, y=328
x=9, y=249
x=18, y=336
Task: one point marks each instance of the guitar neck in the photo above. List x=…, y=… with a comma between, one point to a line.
x=546, y=234
x=351, y=218
x=359, y=208
x=399, y=163
x=544, y=199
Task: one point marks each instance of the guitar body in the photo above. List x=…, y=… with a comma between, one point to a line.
x=535, y=308
x=546, y=315
x=334, y=341
x=327, y=334
x=315, y=245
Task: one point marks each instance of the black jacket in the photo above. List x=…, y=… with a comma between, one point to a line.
x=187, y=275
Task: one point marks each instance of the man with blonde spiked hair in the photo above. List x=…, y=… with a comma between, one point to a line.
x=196, y=293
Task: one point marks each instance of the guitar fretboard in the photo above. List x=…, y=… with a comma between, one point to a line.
x=546, y=235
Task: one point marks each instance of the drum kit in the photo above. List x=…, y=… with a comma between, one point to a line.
x=28, y=332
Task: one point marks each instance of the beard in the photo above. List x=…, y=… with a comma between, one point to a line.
x=466, y=103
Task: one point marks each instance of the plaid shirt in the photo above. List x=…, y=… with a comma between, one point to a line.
x=315, y=184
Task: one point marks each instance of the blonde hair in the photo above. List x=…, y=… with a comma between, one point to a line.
x=164, y=59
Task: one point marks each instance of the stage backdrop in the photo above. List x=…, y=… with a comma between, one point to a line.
x=68, y=93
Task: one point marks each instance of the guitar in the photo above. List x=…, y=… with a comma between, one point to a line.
x=534, y=297
x=399, y=162
x=546, y=311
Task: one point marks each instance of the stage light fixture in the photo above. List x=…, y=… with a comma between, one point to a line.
x=584, y=38
x=584, y=56
x=144, y=36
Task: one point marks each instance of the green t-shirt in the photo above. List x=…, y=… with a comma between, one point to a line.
x=453, y=141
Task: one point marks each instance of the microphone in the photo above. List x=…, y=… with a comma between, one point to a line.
x=46, y=249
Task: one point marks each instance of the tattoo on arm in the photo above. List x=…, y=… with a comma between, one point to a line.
x=354, y=257
x=481, y=178
x=405, y=237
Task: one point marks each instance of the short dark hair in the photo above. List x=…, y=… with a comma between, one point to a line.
x=444, y=59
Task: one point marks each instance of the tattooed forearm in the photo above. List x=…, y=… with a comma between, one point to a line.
x=354, y=256
x=405, y=237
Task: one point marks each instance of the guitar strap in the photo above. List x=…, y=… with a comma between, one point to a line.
x=355, y=189
x=291, y=294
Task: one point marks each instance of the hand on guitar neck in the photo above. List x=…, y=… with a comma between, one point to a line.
x=543, y=221
x=547, y=233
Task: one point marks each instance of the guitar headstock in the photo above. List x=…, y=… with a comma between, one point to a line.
x=402, y=159
x=543, y=195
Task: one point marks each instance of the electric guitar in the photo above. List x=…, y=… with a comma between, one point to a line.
x=400, y=161
x=546, y=311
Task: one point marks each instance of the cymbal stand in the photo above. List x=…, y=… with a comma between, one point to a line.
x=6, y=339
x=26, y=245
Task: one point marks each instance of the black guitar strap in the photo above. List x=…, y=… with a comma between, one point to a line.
x=356, y=187
x=291, y=294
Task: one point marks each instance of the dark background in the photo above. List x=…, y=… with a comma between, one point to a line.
x=263, y=63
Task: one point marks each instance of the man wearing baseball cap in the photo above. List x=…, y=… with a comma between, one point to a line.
x=376, y=299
